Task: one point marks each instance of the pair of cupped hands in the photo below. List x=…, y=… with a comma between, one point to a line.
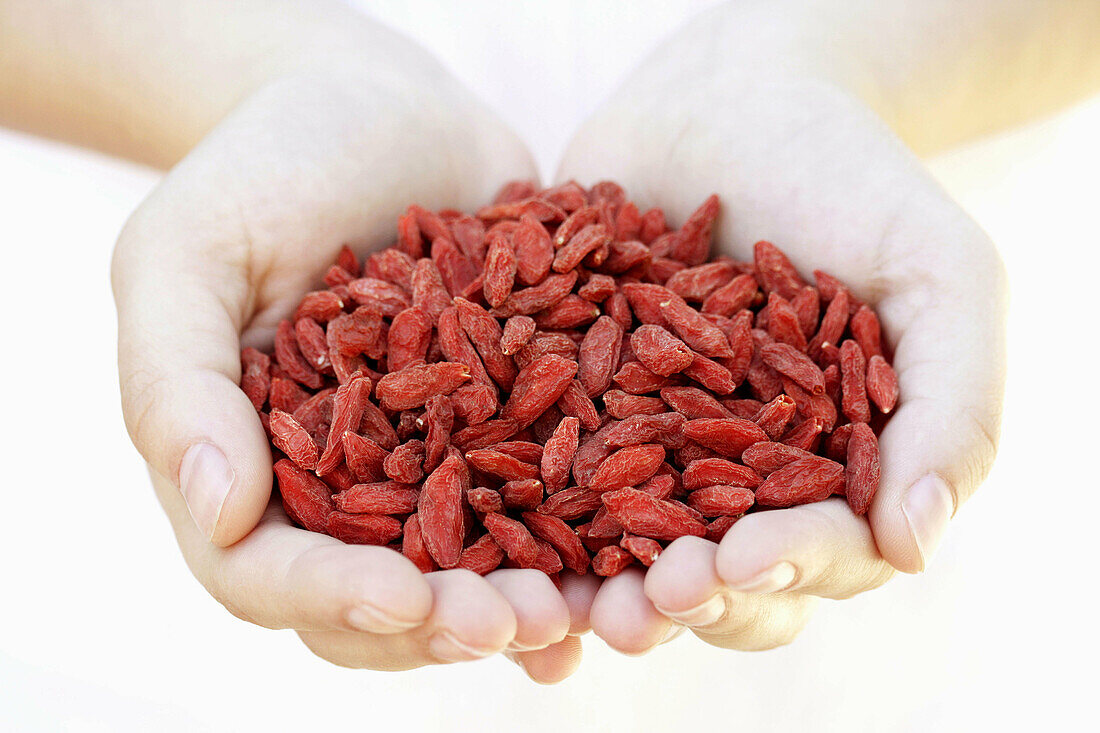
x=233, y=236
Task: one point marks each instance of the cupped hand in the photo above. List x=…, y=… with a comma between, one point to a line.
x=221, y=251
x=806, y=166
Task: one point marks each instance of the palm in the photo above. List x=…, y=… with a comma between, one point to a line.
x=809, y=169
x=239, y=230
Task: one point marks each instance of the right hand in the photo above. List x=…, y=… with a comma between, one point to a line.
x=210, y=262
x=803, y=164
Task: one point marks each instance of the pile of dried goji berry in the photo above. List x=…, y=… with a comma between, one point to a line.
x=562, y=380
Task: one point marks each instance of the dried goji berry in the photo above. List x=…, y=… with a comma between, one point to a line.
x=665, y=428
x=289, y=436
x=627, y=467
x=705, y=372
x=862, y=472
x=408, y=339
x=411, y=387
x=440, y=510
x=412, y=545
x=538, y=386
x=611, y=561
x=714, y=471
x=406, y=463
x=500, y=465
x=621, y=405
x=517, y=331
x=576, y=403
x=648, y=516
x=636, y=379
x=866, y=331
x=659, y=351
x=321, y=305
x=306, y=498
x=539, y=297
x=384, y=497
x=729, y=436
x=482, y=557
x=256, y=376
x=363, y=529
x=774, y=271
x=290, y=358
x=718, y=501
x=572, y=503
x=802, y=481
x=882, y=384
x=513, y=537
x=561, y=536
x=697, y=332
x=853, y=375
x=792, y=363
x=500, y=269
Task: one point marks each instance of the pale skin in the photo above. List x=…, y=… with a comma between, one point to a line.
x=318, y=127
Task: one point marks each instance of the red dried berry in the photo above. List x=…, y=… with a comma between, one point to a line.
x=719, y=501
x=802, y=481
x=704, y=372
x=648, y=516
x=627, y=467
x=882, y=384
x=306, y=498
x=610, y=561
x=862, y=472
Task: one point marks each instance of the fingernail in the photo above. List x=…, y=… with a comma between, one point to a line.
x=705, y=614
x=445, y=647
x=673, y=631
x=205, y=480
x=775, y=578
x=518, y=662
x=366, y=617
x=927, y=508
x=515, y=646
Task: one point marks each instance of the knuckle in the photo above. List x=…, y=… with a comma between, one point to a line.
x=983, y=433
x=221, y=589
x=876, y=579
x=239, y=612
x=143, y=394
x=319, y=647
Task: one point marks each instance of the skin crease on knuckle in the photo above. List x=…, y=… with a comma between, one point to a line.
x=759, y=623
x=836, y=573
x=393, y=653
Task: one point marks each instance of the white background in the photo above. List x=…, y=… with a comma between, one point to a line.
x=103, y=628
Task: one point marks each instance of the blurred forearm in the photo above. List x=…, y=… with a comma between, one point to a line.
x=146, y=80
x=937, y=71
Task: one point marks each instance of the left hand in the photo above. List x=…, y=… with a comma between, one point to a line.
x=224, y=248
x=801, y=163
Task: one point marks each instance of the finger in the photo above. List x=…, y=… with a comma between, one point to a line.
x=558, y=661
x=940, y=444
x=284, y=577
x=579, y=591
x=469, y=620
x=625, y=618
x=392, y=653
x=179, y=304
x=755, y=623
x=542, y=617
x=684, y=585
x=550, y=665
x=822, y=549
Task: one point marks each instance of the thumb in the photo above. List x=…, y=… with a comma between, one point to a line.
x=179, y=365
x=940, y=444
